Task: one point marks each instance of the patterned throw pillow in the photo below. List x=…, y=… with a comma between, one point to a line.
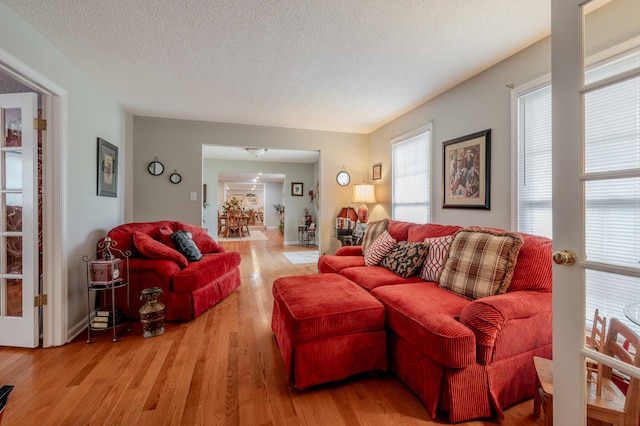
x=374, y=230
x=480, y=262
x=438, y=252
x=185, y=245
x=405, y=259
x=379, y=249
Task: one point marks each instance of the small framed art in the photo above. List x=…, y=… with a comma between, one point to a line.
x=296, y=189
x=107, y=169
x=376, y=173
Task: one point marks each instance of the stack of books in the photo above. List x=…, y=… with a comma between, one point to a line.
x=104, y=318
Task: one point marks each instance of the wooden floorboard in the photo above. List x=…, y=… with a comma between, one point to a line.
x=223, y=368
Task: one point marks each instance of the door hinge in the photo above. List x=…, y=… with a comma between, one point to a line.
x=40, y=300
x=39, y=124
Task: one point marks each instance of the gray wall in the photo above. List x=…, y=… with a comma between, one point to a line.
x=178, y=144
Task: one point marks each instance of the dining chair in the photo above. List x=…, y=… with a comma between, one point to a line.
x=221, y=224
x=234, y=223
x=613, y=406
x=596, y=341
x=4, y=398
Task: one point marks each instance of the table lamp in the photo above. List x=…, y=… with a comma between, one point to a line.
x=363, y=194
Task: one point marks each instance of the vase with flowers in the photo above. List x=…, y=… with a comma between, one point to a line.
x=231, y=204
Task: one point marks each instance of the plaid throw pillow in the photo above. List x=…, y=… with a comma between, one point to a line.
x=379, y=249
x=405, y=259
x=438, y=252
x=480, y=262
x=374, y=230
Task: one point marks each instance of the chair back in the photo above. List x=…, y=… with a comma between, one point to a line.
x=624, y=344
x=598, y=332
x=233, y=219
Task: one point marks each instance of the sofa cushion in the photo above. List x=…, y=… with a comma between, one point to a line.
x=406, y=258
x=371, y=277
x=122, y=235
x=154, y=249
x=185, y=245
x=399, y=229
x=164, y=234
x=480, y=262
x=199, y=274
x=437, y=255
x=418, y=233
x=374, y=230
x=427, y=317
x=328, y=263
x=535, y=265
x=379, y=249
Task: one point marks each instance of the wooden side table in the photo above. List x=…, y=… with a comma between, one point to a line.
x=544, y=389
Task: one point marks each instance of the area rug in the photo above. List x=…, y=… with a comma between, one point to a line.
x=255, y=236
x=297, y=257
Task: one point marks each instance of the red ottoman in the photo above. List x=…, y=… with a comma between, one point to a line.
x=328, y=328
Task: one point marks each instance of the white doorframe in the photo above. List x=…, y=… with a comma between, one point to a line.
x=55, y=313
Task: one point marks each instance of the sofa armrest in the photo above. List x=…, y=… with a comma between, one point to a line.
x=509, y=323
x=349, y=251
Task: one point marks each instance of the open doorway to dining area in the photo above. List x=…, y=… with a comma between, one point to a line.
x=270, y=188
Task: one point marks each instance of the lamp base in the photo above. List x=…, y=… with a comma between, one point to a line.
x=363, y=213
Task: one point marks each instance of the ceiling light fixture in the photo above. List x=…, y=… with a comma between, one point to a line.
x=256, y=152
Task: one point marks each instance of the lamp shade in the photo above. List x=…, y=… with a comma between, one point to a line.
x=363, y=194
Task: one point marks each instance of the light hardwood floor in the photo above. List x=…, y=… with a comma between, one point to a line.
x=221, y=368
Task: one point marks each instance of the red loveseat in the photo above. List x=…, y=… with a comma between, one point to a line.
x=469, y=358
x=189, y=288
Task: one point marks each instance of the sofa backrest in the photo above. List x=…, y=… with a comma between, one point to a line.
x=533, y=269
x=123, y=235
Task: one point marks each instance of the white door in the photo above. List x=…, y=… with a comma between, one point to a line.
x=588, y=199
x=18, y=220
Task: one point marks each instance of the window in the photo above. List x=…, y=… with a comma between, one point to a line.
x=534, y=161
x=611, y=181
x=411, y=176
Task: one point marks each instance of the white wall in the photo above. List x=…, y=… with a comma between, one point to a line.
x=178, y=144
x=90, y=113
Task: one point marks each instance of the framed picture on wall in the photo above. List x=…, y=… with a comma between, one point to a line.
x=377, y=171
x=466, y=171
x=251, y=199
x=107, y=169
x=296, y=189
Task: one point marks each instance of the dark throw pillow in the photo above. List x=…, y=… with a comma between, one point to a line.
x=185, y=245
x=406, y=259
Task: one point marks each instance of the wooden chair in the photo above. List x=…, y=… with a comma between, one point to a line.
x=244, y=225
x=234, y=223
x=222, y=222
x=4, y=398
x=543, y=397
x=596, y=341
x=613, y=406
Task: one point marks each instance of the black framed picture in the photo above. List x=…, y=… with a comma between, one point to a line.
x=107, y=169
x=466, y=171
x=296, y=189
x=376, y=173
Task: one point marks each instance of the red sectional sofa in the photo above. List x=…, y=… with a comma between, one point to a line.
x=189, y=288
x=469, y=358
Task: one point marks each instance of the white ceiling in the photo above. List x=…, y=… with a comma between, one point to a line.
x=338, y=65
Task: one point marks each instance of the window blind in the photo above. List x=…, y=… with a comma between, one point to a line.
x=411, y=178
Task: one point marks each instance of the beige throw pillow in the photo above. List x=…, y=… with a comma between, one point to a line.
x=374, y=230
x=480, y=262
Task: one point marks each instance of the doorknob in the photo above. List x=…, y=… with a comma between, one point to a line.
x=564, y=257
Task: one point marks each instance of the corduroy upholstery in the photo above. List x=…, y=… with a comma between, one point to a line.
x=187, y=291
x=468, y=358
x=327, y=328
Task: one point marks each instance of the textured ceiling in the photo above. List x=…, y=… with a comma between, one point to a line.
x=340, y=65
